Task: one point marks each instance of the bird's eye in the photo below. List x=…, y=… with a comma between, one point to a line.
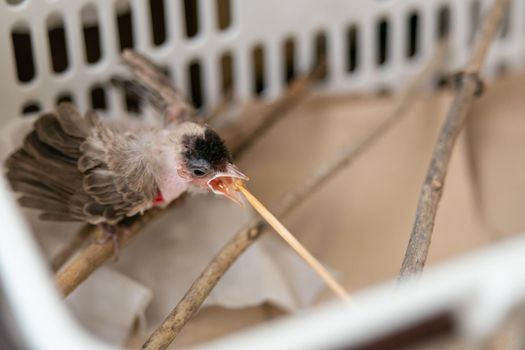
x=199, y=172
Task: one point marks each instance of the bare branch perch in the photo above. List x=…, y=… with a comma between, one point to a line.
x=219, y=109
x=68, y=251
x=203, y=285
x=96, y=254
x=242, y=136
x=468, y=87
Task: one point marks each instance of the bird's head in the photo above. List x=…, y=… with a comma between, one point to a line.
x=208, y=164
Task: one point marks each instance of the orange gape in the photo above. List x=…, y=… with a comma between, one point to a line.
x=294, y=243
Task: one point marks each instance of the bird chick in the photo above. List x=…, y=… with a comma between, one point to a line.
x=76, y=168
x=80, y=168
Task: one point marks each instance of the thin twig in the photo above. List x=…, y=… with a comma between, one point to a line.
x=219, y=109
x=232, y=250
x=69, y=250
x=246, y=134
x=468, y=88
x=96, y=254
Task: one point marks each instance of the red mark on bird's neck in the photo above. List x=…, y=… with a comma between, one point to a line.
x=159, y=199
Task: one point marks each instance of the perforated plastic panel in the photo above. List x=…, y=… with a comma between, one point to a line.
x=61, y=49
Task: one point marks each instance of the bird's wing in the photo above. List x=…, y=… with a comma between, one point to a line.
x=150, y=83
x=73, y=168
x=117, y=173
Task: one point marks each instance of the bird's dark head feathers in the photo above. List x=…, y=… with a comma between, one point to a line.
x=208, y=164
x=208, y=148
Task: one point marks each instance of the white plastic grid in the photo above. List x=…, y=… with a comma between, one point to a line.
x=266, y=23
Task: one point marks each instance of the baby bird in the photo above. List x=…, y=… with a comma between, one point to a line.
x=81, y=168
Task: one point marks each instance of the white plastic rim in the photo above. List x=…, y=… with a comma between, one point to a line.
x=265, y=24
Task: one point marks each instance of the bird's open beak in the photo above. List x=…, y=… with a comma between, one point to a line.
x=224, y=183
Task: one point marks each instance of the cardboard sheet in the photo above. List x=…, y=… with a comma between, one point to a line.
x=358, y=223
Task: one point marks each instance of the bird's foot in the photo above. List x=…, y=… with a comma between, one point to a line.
x=110, y=232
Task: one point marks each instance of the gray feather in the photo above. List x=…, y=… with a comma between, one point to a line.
x=151, y=84
x=56, y=217
x=75, y=168
x=49, y=132
x=35, y=189
x=44, y=153
x=49, y=205
x=72, y=122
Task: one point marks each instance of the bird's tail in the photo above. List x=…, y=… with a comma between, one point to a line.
x=44, y=170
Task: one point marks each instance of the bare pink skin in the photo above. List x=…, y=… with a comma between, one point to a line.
x=221, y=183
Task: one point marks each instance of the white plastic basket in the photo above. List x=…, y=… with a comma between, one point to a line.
x=370, y=45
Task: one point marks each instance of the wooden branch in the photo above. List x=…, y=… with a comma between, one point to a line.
x=223, y=105
x=96, y=254
x=203, y=285
x=468, y=87
x=242, y=136
x=406, y=99
x=69, y=250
